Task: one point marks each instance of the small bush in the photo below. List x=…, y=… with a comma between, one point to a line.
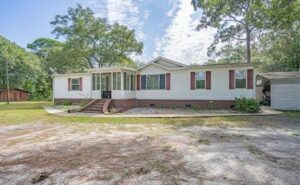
x=247, y=105
x=66, y=103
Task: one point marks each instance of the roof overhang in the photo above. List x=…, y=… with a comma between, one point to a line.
x=281, y=75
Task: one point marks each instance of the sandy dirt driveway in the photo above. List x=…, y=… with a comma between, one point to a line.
x=149, y=154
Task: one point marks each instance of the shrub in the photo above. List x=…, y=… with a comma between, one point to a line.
x=66, y=103
x=247, y=105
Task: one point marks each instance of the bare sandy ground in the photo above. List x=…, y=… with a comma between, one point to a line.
x=149, y=154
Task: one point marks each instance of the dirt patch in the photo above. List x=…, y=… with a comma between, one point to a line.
x=149, y=154
x=109, y=159
x=261, y=154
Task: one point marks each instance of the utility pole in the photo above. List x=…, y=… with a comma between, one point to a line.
x=7, y=84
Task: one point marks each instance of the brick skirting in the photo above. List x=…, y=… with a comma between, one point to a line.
x=126, y=104
x=200, y=104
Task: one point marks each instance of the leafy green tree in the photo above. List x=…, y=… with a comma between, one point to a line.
x=23, y=68
x=95, y=41
x=231, y=54
x=279, y=51
x=243, y=20
x=57, y=57
x=41, y=46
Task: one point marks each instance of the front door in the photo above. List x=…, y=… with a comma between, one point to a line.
x=106, y=85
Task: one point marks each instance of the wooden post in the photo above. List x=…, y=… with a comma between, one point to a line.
x=7, y=84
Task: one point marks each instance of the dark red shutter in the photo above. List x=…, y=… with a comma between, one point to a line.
x=193, y=83
x=69, y=84
x=80, y=84
x=231, y=79
x=168, y=81
x=138, y=82
x=250, y=79
x=208, y=79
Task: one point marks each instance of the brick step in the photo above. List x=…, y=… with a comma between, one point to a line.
x=95, y=107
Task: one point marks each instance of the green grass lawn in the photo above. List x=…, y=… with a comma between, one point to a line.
x=33, y=112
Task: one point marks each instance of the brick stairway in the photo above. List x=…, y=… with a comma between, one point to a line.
x=95, y=107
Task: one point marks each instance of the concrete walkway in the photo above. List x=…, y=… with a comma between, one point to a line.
x=266, y=111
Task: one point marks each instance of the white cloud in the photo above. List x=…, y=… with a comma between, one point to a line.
x=127, y=13
x=181, y=41
x=174, y=4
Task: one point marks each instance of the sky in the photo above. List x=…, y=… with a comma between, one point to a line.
x=166, y=27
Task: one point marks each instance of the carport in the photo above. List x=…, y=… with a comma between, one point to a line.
x=280, y=90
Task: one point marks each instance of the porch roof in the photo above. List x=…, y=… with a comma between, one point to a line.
x=111, y=69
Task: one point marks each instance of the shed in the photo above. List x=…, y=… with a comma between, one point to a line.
x=283, y=89
x=15, y=95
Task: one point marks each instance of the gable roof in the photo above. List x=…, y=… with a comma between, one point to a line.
x=164, y=63
x=172, y=65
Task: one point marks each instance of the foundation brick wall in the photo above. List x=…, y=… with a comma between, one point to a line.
x=200, y=104
x=126, y=104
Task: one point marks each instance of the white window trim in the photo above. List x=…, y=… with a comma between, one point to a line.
x=117, y=72
x=75, y=84
x=94, y=83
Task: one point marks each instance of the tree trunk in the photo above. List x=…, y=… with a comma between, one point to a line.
x=248, y=45
x=7, y=84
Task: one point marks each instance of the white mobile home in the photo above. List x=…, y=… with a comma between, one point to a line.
x=159, y=83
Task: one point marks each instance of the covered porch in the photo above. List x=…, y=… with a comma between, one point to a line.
x=113, y=83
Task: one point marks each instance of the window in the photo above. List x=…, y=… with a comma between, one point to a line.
x=126, y=80
x=132, y=82
x=153, y=82
x=105, y=85
x=75, y=84
x=200, y=80
x=162, y=81
x=117, y=81
x=96, y=81
x=143, y=82
x=240, y=79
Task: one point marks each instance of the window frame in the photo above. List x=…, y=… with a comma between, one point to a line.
x=117, y=81
x=235, y=78
x=204, y=74
x=145, y=87
x=72, y=84
x=132, y=82
x=96, y=81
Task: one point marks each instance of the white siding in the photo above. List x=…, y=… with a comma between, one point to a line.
x=96, y=94
x=180, y=86
x=119, y=94
x=61, y=88
x=285, y=96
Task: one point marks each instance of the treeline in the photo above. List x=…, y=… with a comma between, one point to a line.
x=259, y=31
x=89, y=42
